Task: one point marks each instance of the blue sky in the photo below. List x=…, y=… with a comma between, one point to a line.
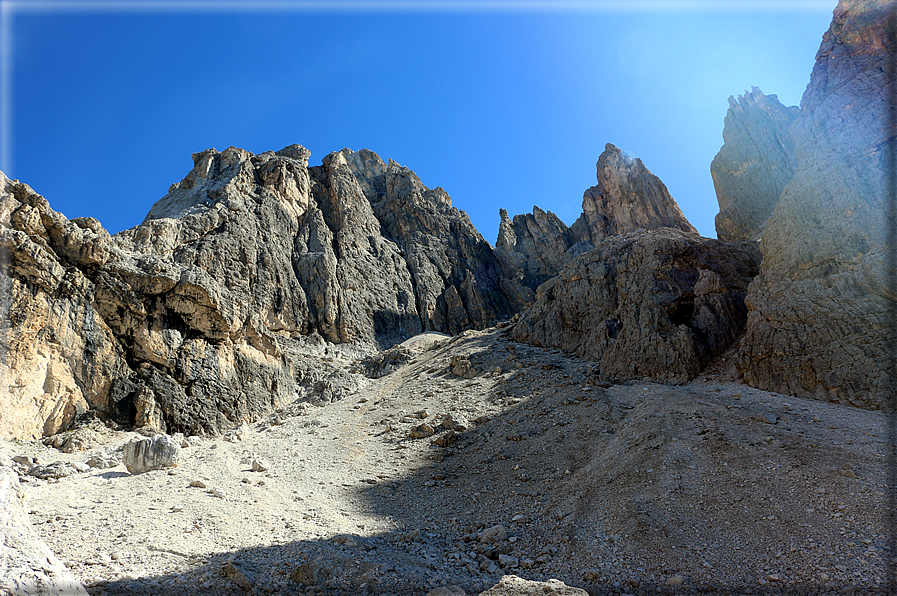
x=505, y=107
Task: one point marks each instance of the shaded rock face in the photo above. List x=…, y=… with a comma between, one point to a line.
x=753, y=166
x=224, y=302
x=654, y=305
x=818, y=323
x=456, y=277
x=628, y=197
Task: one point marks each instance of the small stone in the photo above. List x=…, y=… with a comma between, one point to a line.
x=24, y=460
x=260, y=465
x=197, y=484
x=421, y=431
x=674, y=580
x=766, y=418
x=176, y=509
x=847, y=471
x=413, y=536
x=454, y=422
x=774, y=577
x=217, y=492
x=144, y=455
x=445, y=439
x=493, y=535
x=447, y=591
x=238, y=574
x=508, y=561
x=591, y=575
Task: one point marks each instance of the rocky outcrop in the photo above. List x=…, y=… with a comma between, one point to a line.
x=652, y=305
x=628, y=197
x=233, y=295
x=818, y=323
x=532, y=248
x=27, y=566
x=753, y=166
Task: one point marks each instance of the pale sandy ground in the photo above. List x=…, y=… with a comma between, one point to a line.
x=636, y=488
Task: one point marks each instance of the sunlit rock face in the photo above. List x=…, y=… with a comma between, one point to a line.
x=818, y=324
x=233, y=294
x=753, y=166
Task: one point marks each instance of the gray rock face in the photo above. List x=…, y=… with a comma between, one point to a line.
x=27, y=566
x=654, y=305
x=818, y=324
x=156, y=453
x=628, y=197
x=225, y=302
x=753, y=166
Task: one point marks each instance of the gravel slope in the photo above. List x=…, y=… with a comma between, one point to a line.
x=709, y=487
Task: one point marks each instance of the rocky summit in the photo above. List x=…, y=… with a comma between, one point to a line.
x=301, y=379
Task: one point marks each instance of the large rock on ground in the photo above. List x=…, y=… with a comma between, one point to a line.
x=753, y=166
x=654, y=305
x=818, y=323
x=151, y=453
x=511, y=585
x=27, y=565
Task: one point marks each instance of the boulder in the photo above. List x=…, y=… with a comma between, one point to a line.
x=511, y=585
x=818, y=324
x=146, y=454
x=653, y=305
x=753, y=166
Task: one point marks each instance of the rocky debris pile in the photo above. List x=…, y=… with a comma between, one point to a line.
x=656, y=305
x=753, y=166
x=630, y=488
x=818, y=323
x=27, y=565
x=628, y=197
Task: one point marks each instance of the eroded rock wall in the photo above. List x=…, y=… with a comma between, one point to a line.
x=753, y=166
x=651, y=305
x=818, y=324
x=229, y=298
x=628, y=197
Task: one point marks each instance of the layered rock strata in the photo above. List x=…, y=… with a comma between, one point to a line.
x=651, y=305
x=753, y=166
x=818, y=323
x=628, y=197
x=234, y=294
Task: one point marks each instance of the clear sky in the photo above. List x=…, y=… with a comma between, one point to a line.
x=504, y=105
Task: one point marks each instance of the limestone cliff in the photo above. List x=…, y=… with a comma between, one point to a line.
x=628, y=197
x=649, y=305
x=754, y=164
x=818, y=324
x=233, y=294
